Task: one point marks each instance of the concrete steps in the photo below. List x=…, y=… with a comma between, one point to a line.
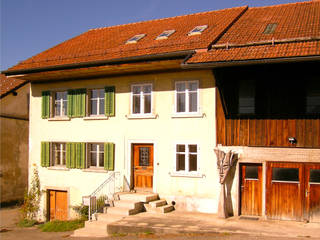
x=158, y=206
x=127, y=204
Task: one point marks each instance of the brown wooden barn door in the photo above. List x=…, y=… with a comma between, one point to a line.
x=285, y=191
x=58, y=205
x=251, y=189
x=143, y=166
x=312, y=192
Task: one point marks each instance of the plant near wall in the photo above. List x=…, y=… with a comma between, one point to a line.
x=31, y=204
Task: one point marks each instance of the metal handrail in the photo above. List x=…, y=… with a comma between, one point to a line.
x=105, y=189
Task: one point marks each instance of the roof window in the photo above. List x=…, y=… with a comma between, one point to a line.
x=135, y=38
x=165, y=34
x=197, y=30
x=270, y=28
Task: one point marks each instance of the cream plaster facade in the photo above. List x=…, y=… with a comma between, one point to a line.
x=193, y=193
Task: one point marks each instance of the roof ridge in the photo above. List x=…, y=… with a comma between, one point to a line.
x=161, y=19
x=285, y=4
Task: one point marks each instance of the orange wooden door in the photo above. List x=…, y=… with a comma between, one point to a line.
x=58, y=205
x=143, y=166
x=285, y=191
x=312, y=194
x=251, y=189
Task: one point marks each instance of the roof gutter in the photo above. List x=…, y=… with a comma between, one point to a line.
x=247, y=62
x=153, y=57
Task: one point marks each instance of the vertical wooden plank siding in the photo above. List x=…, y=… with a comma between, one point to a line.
x=266, y=132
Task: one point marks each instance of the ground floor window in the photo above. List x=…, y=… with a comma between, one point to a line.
x=96, y=154
x=186, y=157
x=58, y=154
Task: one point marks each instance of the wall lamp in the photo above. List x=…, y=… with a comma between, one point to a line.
x=292, y=140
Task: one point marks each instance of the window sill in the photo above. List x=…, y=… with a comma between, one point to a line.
x=97, y=170
x=96, y=118
x=61, y=168
x=59, y=119
x=188, y=115
x=189, y=175
x=142, y=116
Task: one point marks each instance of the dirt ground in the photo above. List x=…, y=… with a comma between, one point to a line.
x=9, y=231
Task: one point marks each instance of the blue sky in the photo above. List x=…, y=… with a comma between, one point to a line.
x=29, y=27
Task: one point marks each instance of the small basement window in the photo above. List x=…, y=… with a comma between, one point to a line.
x=135, y=38
x=165, y=34
x=270, y=28
x=197, y=30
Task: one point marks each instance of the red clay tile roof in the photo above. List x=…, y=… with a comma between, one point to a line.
x=9, y=84
x=282, y=50
x=297, y=23
x=109, y=42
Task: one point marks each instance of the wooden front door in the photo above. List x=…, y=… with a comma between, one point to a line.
x=251, y=189
x=293, y=191
x=58, y=205
x=312, y=172
x=143, y=166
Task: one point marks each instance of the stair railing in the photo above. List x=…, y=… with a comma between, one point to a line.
x=103, y=193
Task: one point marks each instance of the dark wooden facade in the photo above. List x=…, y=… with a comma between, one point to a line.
x=264, y=131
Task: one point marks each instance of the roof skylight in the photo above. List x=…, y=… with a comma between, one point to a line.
x=135, y=38
x=197, y=30
x=270, y=28
x=165, y=34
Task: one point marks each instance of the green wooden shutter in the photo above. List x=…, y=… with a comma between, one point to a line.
x=68, y=153
x=109, y=105
x=70, y=103
x=109, y=156
x=80, y=155
x=45, y=154
x=45, y=113
x=71, y=155
x=77, y=103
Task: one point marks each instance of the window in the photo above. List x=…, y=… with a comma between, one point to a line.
x=270, y=28
x=58, y=154
x=141, y=99
x=135, y=38
x=187, y=97
x=60, y=104
x=96, y=102
x=285, y=174
x=96, y=155
x=165, y=34
x=197, y=30
x=186, y=157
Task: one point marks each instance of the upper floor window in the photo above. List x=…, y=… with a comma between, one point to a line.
x=165, y=34
x=187, y=157
x=60, y=104
x=136, y=38
x=187, y=97
x=141, y=99
x=97, y=102
x=58, y=154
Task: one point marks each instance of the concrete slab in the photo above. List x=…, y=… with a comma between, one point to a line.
x=190, y=222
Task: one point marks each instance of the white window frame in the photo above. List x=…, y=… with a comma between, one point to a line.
x=98, y=151
x=63, y=153
x=142, y=113
x=135, y=38
x=98, y=103
x=187, y=112
x=61, y=101
x=165, y=34
x=199, y=29
x=186, y=172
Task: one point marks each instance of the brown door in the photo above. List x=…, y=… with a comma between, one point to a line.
x=143, y=166
x=58, y=205
x=285, y=191
x=312, y=173
x=251, y=189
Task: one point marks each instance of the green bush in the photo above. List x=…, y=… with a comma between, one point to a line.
x=26, y=223
x=83, y=211
x=61, y=226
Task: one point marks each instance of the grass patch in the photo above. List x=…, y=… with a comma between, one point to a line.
x=26, y=223
x=61, y=226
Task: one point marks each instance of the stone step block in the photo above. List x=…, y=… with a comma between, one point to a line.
x=139, y=197
x=122, y=211
x=158, y=203
x=129, y=204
